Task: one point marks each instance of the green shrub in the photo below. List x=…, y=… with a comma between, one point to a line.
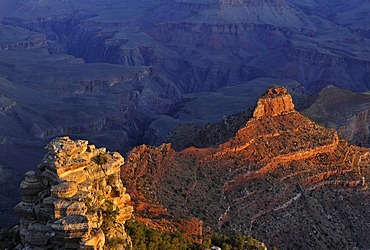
x=147, y=238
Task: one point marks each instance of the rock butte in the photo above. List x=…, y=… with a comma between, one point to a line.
x=77, y=201
x=274, y=102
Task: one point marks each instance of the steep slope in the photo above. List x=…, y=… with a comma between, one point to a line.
x=282, y=178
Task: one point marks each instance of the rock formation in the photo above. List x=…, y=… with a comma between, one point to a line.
x=282, y=178
x=274, y=102
x=77, y=201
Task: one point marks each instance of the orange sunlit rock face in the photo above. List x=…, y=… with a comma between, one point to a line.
x=274, y=102
x=279, y=176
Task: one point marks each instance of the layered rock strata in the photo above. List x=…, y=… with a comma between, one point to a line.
x=76, y=201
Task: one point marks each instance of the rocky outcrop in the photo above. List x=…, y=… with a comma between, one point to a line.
x=77, y=201
x=30, y=43
x=201, y=48
x=274, y=102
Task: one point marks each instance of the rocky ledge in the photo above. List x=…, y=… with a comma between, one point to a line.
x=76, y=201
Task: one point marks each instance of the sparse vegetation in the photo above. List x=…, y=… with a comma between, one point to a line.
x=209, y=134
x=113, y=243
x=110, y=213
x=235, y=242
x=144, y=237
x=147, y=238
x=100, y=159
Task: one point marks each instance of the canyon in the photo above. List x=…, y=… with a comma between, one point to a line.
x=279, y=171
x=123, y=73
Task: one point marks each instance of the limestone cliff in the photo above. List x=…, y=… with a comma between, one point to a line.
x=76, y=201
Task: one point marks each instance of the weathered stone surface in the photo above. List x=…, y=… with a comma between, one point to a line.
x=30, y=187
x=25, y=210
x=65, y=189
x=37, y=234
x=72, y=226
x=63, y=208
x=78, y=177
x=76, y=201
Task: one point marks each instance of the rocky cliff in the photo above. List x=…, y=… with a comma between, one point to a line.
x=282, y=178
x=76, y=201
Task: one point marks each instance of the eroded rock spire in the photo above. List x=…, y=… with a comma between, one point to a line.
x=77, y=201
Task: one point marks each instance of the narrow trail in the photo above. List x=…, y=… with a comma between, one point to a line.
x=280, y=207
